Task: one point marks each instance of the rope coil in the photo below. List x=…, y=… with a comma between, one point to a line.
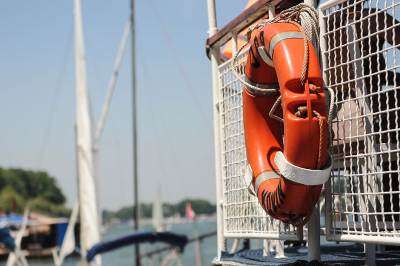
x=306, y=17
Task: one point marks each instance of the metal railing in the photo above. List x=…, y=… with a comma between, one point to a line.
x=239, y=213
x=359, y=47
x=361, y=42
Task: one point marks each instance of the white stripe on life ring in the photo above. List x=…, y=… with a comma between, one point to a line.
x=264, y=176
x=264, y=56
x=283, y=36
x=308, y=177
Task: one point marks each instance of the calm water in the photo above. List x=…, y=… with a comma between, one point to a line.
x=124, y=256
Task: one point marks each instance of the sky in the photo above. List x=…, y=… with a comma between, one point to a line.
x=175, y=128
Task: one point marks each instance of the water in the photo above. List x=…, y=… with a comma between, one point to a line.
x=125, y=256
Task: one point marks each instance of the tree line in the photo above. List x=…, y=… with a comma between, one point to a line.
x=20, y=188
x=199, y=206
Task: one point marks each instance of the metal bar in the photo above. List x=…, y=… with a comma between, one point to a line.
x=313, y=233
x=366, y=239
x=212, y=25
x=134, y=132
x=367, y=167
x=270, y=236
x=212, y=17
x=280, y=249
x=327, y=186
x=246, y=18
x=313, y=236
x=330, y=3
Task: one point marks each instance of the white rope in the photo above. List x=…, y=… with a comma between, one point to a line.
x=302, y=14
x=239, y=75
x=331, y=105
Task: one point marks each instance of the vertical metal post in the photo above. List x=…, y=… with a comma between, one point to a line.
x=214, y=53
x=366, y=205
x=313, y=236
x=134, y=132
x=324, y=64
x=266, y=247
x=280, y=249
x=212, y=18
x=271, y=11
x=234, y=43
x=313, y=225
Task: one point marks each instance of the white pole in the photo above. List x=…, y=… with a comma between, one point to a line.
x=212, y=29
x=106, y=106
x=313, y=224
x=212, y=18
x=266, y=247
x=112, y=83
x=280, y=249
x=90, y=233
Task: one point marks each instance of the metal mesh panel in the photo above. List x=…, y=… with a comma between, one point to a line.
x=243, y=215
x=361, y=42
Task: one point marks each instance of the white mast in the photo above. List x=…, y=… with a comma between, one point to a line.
x=89, y=228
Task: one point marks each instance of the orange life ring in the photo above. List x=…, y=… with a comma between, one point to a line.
x=289, y=159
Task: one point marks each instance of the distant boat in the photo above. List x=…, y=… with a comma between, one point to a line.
x=158, y=216
x=189, y=212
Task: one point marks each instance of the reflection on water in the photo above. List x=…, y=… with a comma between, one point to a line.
x=124, y=256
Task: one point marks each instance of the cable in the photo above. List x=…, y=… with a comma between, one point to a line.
x=56, y=98
x=181, y=69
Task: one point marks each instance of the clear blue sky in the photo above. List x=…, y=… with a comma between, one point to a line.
x=174, y=94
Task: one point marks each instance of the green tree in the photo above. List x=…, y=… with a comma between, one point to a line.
x=36, y=188
x=10, y=200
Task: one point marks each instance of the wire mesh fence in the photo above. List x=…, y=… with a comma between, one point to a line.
x=243, y=215
x=360, y=44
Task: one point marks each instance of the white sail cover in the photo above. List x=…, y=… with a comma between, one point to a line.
x=17, y=258
x=68, y=245
x=89, y=228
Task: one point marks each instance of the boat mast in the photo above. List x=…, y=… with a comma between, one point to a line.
x=134, y=132
x=89, y=233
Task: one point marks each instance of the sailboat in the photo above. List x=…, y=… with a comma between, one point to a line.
x=158, y=217
x=87, y=207
x=87, y=145
x=89, y=218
